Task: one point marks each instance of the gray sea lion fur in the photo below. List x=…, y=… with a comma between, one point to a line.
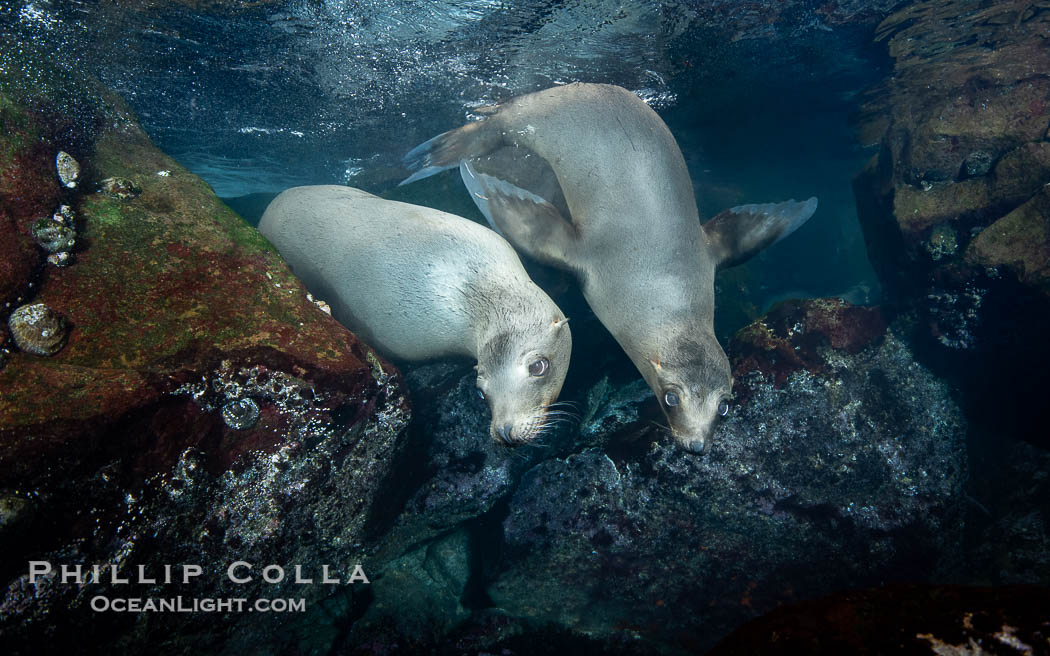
x=419, y=284
x=632, y=235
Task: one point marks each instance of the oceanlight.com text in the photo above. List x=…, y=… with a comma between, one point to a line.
x=180, y=604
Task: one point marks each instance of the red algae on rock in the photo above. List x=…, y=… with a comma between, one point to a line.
x=791, y=336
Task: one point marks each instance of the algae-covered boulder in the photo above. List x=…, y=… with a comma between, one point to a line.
x=202, y=410
x=954, y=205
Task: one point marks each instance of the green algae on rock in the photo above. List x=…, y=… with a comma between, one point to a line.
x=1020, y=242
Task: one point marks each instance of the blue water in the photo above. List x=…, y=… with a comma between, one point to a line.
x=291, y=93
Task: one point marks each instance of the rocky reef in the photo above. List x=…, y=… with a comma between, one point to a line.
x=955, y=205
x=843, y=473
x=195, y=409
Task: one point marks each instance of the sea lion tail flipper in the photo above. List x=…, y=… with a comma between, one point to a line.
x=449, y=148
x=526, y=220
x=740, y=232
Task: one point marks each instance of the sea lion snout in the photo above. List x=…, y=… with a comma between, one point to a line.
x=505, y=433
x=697, y=445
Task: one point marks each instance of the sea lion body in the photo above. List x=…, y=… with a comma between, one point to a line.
x=633, y=236
x=421, y=284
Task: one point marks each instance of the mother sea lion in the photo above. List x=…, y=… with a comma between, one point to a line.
x=634, y=241
x=418, y=284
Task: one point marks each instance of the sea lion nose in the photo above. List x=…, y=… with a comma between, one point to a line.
x=504, y=432
x=696, y=445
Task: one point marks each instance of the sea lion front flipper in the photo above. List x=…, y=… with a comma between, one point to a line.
x=736, y=234
x=526, y=220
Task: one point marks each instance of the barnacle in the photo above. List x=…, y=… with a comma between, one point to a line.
x=38, y=329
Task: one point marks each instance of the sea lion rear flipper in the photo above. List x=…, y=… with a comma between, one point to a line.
x=449, y=148
x=736, y=234
x=526, y=220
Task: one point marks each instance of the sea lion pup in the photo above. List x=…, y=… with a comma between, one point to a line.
x=420, y=284
x=634, y=241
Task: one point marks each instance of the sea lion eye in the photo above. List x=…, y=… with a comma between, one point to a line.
x=539, y=367
x=481, y=395
x=723, y=407
x=671, y=399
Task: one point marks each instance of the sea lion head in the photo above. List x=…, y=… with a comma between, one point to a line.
x=520, y=373
x=692, y=380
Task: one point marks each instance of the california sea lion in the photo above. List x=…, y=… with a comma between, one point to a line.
x=418, y=284
x=634, y=241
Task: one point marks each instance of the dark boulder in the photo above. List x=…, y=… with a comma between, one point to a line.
x=844, y=470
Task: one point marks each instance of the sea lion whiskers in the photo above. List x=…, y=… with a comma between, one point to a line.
x=545, y=417
x=664, y=429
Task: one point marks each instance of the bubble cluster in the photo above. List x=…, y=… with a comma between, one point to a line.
x=237, y=393
x=240, y=414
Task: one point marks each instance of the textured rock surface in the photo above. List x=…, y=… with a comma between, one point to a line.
x=831, y=481
x=842, y=472
x=954, y=206
x=115, y=450
x=29, y=190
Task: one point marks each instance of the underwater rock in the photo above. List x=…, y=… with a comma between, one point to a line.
x=1012, y=522
x=120, y=188
x=15, y=513
x=28, y=190
x=38, y=329
x=468, y=471
x=120, y=434
x=943, y=242
x=791, y=335
x=954, y=205
x=54, y=237
x=1019, y=242
x=4, y=352
x=68, y=169
x=840, y=467
x=833, y=480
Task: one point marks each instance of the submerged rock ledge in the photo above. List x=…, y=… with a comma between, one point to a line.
x=117, y=450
